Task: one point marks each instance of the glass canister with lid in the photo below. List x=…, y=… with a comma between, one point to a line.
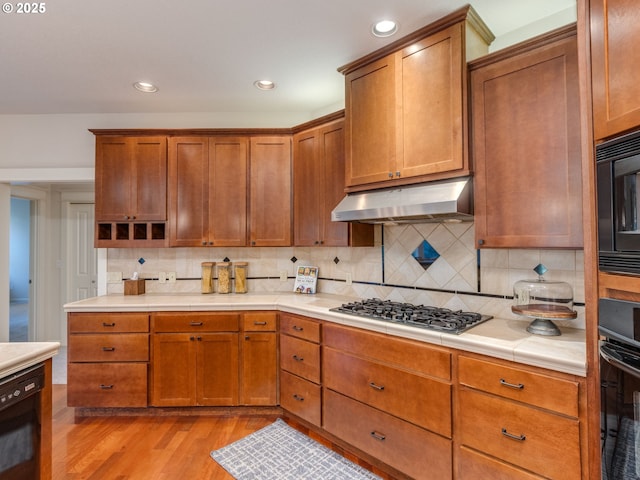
x=224, y=277
x=543, y=300
x=240, y=277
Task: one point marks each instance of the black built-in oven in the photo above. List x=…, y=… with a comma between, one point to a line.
x=618, y=189
x=619, y=328
x=20, y=424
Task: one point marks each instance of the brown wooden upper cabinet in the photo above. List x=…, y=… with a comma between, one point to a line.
x=270, y=191
x=318, y=186
x=406, y=105
x=131, y=178
x=615, y=65
x=526, y=144
x=208, y=191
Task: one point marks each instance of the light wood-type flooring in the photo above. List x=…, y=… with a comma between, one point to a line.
x=148, y=447
x=143, y=447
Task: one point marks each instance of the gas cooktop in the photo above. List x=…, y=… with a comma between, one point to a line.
x=421, y=316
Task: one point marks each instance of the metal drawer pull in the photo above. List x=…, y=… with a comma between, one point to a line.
x=196, y=324
x=297, y=328
x=520, y=438
x=106, y=387
x=259, y=323
x=297, y=358
x=377, y=387
x=105, y=324
x=298, y=397
x=378, y=436
x=108, y=349
x=517, y=386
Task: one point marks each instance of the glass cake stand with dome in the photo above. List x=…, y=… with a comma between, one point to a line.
x=543, y=301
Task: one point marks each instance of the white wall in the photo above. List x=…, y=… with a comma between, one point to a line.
x=64, y=141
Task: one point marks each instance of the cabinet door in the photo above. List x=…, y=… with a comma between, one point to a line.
x=150, y=169
x=308, y=188
x=370, y=122
x=114, y=178
x=131, y=178
x=228, y=162
x=526, y=149
x=258, y=377
x=188, y=198
x=173, y=370
x=270, y=167
x=217, y=369
x=615, y=61
x=430, y=127
x=332, y=155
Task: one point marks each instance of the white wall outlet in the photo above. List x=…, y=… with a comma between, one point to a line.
x=114, y=277
x=162, y=277
x=171, y=277
x=283, y=275
x=347, y=278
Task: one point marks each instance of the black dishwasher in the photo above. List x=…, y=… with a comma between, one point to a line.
x=20, y=423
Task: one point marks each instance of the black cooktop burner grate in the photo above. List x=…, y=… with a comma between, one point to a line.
x=433, y=318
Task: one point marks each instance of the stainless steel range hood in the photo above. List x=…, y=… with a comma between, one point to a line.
x=447, y=200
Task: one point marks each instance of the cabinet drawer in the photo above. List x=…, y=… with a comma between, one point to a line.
x=408, y=354
x=420, y=400
x=300, y=397
x=300, y=357
x=410, y=449
x=117, y=347
x=472, y=465
x=300, y=327
x=195, y=322
x=532, y=388
x=108, y=322
x=259, y=322
x=107, y=385
x=544, y=443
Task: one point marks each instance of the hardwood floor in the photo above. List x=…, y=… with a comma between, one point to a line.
x=155, y=447
x=144, y=448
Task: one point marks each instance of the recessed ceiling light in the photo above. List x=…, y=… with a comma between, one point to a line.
x=264, y=84
x=384, y=28
x=145, y=87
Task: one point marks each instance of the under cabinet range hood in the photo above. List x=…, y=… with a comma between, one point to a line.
x=441, y=201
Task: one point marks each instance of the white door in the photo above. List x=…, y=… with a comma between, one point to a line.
x=82, y=267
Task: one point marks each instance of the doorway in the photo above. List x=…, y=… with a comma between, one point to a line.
x=20, y=270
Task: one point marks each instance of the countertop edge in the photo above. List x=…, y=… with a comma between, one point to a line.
x=16, y=356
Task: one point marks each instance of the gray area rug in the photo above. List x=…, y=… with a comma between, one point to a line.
x=280, y=452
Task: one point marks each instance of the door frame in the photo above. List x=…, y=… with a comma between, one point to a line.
x=68, y=198
x=37, y=287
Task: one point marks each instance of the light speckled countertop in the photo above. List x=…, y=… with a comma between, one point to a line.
x=17, y=356
x=498, y=337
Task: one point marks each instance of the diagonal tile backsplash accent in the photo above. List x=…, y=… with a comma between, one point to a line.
x=455, y=269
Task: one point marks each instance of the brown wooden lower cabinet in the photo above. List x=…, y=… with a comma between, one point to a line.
x=108, y=358
x=537, y=440
x=402, y=445
x=194, y=369
x=258, y=376
x=472, y=465
x=420, y=400
x=102, y=385
x=301, y=397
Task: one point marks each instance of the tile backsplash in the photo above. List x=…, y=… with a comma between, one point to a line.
x=462, y=277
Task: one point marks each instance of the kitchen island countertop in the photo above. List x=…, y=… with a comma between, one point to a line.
x=499, y=337
x=16, y=356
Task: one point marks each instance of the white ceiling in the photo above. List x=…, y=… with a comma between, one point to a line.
x=82, y=56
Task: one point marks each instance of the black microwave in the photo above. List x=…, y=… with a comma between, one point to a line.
x=618, y=190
